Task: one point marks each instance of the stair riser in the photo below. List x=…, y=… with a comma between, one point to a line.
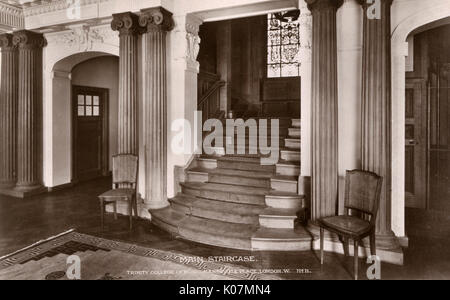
x=244, y=181
x=292, y=144
x=197, y=177
x=289, y=156
x=244, y=166
x=276, y=223
x=288, y=170
x=286, y=203
x=225, y=217
x=296, y=123
x=180, y=208
x=225, y=196
x=294, y=132
x=214, y=240
x=206, y=164
x=274, y=245
x=284, y=186
x=165, y=226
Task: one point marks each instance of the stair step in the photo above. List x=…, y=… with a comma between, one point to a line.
x=292, y=143
x=266, y=239
x=278, y=218
x=290, y=155
x=244, y=163
x=206, y=163
x=294, y=132
x=225, y=192
x=217, y=233
x=167, y=219
x=297, y=123
x=284, y=183
x=283, y=200
x=288, y=168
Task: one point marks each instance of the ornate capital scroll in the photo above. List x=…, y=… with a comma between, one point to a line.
x=314, y=5
x=156, y=19
x=126, y=24
x=26, y=39
x=6, y=42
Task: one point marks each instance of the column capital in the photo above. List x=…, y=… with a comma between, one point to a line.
x=26, y=39
x=156, y=19
x=6, y=42
x=319, y=5
x=126, y=23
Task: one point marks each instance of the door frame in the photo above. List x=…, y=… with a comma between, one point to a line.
x=105, y=128
x=422, y=134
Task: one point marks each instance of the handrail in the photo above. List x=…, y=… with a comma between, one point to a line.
x=210, y=91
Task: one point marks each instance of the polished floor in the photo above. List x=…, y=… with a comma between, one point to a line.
x=23, y=222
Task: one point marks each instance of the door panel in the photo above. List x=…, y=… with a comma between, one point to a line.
x=416, y=143
x=439, y=152
x=90, y=133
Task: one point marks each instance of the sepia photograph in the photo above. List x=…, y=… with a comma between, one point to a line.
x=202, y=142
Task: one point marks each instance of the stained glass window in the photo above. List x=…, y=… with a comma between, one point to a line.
x=283, y=45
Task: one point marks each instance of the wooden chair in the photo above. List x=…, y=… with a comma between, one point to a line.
x=125, y=168
x=362, y=199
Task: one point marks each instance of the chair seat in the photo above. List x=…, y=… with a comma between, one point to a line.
x=118, y=194
x=347, y=224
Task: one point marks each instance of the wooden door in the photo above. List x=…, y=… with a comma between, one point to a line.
x=416, y=144
x=90, y=132
x=439, y=152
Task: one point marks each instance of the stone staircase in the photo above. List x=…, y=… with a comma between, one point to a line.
x=234, y=201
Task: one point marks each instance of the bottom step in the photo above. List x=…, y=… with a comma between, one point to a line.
x=231, y=235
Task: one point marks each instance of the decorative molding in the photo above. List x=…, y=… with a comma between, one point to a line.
x=6, y=41
x=193, y=49
x=83, y=38
x=11, y=17
x=156, y=19
x=25, y=39
x=305, y=21
x=126, y=24
x=55, y=5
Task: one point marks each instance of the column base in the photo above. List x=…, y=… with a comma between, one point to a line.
x=22, y=193
x=123, y=209
x=7, y=184
x=388, y=246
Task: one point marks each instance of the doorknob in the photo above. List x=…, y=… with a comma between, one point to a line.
x=412, y=142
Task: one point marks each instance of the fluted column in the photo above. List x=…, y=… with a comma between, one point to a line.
x=128, y=26
x=29, y=137
x=157, y=22
x=8, y=111
x=324, y=188
x=376, y=104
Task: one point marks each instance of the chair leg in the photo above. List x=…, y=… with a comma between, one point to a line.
x=135, y=207
x=130, y=211
x=115, y=210
x=102, y=207
x=356, y=250
x=373, y=247
x=346, y=250
x=321, y=245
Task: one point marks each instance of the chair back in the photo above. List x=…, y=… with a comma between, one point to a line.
x=362, y=193
x=125, y=170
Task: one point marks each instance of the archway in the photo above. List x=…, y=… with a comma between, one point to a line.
x=100, y=70
x=415, y=20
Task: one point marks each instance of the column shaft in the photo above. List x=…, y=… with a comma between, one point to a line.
x=128, y=26
x=8, y=111
x=376, y=105
x=324, y=109
x=157, y=21
x=29, y=138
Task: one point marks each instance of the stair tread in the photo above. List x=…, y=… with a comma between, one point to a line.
x=284, y=178
x=288, y=162
x=233, y=172
x=279, y=212
x=216, y=205
x=285, y=194
x=246, y=159
x=218, y=228
x=246, y=190
x=168, y=215
x=299, y=233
